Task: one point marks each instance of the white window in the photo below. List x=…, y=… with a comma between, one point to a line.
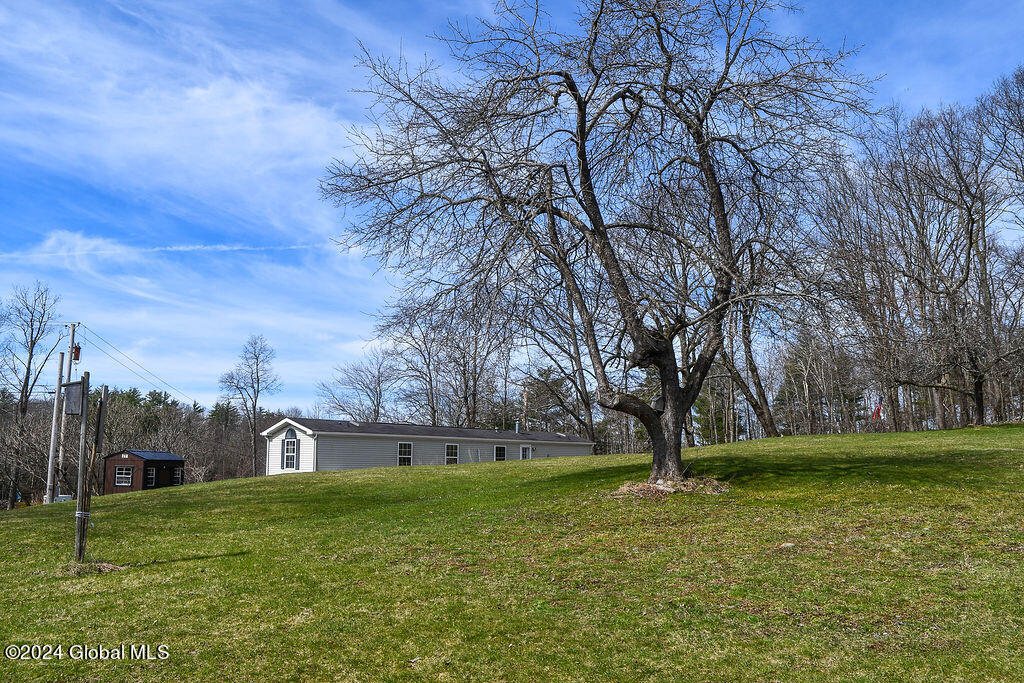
x=405, y=454
x=525, y=452
x=178, y=480
x=150, y=476
x=451, y=454
x=289, y=453
x=123, y=476
x=499, y=453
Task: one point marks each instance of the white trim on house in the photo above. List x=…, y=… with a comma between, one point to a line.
x=398, y=453
x=504, y=452
x=456, y=453
x=273, y=428
x=529, y=450
x=293, y=445
x=122, y=471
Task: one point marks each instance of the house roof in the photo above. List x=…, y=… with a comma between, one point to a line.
x=318, y=426
x=150, y=455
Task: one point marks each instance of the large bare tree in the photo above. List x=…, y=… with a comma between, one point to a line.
x=252, y=378
x=625, y=162
x=30, y=341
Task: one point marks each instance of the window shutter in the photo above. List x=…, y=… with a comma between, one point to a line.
x=296, y=452
x=282, y=453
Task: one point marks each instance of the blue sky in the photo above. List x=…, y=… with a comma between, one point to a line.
x=159, y=160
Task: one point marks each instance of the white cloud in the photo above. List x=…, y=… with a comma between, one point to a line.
x=91, y=97
x=202, y=134
x=184, y=313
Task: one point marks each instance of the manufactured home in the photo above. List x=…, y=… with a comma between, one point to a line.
x=311, y=445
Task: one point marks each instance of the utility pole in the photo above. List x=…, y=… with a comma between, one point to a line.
x=48, y=496
x=526, y=409
x=81, y=514
x=86, y=496
x=63, y=417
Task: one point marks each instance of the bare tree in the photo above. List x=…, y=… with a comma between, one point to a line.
x=449, y=355
x=29, y=317
x=418, y=337
x=361, y=389
x=252, y=378
x=628, y=157
x=1005, y=110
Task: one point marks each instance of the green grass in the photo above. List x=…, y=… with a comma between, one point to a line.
x=907, y=562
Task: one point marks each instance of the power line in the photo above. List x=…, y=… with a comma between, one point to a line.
x=146, y=380
x=97, y=337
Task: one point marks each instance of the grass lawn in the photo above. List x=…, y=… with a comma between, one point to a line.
x=867, y=557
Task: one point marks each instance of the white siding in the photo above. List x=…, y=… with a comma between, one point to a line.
x=354, y=451
x=307, y=447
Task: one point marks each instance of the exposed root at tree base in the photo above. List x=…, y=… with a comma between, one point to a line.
x=657, y=490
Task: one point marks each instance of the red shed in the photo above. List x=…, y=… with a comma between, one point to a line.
x=133, y=470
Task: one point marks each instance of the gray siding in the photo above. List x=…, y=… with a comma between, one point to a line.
x=354, y=451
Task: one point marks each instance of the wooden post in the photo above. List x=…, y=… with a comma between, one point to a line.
x=97, y=447
x=81, y=514
x=48, y=496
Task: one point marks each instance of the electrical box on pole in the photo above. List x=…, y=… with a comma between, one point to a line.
x=73, y=398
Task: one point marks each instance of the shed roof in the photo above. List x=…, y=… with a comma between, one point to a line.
x=150, y=455
x=411, y=430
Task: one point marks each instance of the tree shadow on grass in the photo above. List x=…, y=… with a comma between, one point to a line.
x=599, y=475
x=190, y=558
x=955, y=467
x=948, y=468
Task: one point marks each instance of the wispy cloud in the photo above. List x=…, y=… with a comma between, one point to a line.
x=183, y=311
x=166, y=156
x=123, y=251
x=148, y=102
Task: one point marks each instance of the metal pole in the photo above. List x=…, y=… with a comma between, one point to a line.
x=48, y=496
x=64, y=416
x=81, y=514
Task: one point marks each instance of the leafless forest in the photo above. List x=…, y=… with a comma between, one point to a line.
x=667, y=226
x=678, y=215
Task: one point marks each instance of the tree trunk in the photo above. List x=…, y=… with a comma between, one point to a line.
x=667, y=443
x=939, y=398
x=979, y=400
x=759, y=403
x=691, y=441
x=666, y=428
x=252, y=442
x=12, y=494
x=893, y=399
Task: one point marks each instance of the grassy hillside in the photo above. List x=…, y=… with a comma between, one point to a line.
x=893, y=556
